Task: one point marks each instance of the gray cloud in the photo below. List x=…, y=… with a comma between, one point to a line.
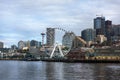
x=26, y=19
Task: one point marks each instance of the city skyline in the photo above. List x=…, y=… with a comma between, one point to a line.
x=27, y=19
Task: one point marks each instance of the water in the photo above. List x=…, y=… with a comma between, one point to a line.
x=22, y=70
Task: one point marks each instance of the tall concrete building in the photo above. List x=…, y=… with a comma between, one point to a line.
x=99, y=25
x=67, y=39
x=88, y=34
x=1, y=44
x=50, y=35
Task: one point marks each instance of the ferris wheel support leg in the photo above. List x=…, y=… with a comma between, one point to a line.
x=60, y=51
x=53, y=51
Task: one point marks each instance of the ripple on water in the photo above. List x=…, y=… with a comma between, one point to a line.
x=113, y=72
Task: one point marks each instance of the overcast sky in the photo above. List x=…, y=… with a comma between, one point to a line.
x=26, y=19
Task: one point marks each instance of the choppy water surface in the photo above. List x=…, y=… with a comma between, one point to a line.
x=22, y=70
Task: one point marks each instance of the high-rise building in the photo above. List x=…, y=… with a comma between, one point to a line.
x=108, y=29
x=34, y=43
x=50, y=35
x=1, y=44
x=99, y=25
x=21, y=44
x=68, y=39
x=115, y=32
x=39, y=44
x=89, y=34
x=13, y=47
